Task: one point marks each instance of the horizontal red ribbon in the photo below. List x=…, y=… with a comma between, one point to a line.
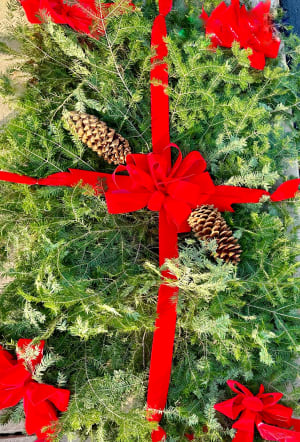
x=151, y=184
x=40, y=400
x=272, y=420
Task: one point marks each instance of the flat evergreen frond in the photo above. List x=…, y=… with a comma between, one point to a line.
x=87, y=282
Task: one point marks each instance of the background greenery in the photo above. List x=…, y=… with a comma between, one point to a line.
x=87, y=281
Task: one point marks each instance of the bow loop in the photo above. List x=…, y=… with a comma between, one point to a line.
x=278, y=415
x=178, y=160
x=260, y=411
x=239, y=388
x=6, y=360
x=270, y=399
x=191, y=166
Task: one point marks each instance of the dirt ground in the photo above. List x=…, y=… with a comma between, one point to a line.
x=5, y=113
x=5, y=62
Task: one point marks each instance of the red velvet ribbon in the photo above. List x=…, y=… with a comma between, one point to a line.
x=173, y=191
x=16, y=384
x=272, y=420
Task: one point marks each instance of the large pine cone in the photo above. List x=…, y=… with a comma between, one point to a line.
x=207, y=223
x=108, y=144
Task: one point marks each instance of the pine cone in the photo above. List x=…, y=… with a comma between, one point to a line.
x=103, y=140
x=207, y=223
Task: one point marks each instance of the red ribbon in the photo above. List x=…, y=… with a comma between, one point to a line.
x=261, y=411
x=174, y=192
x=16, y=383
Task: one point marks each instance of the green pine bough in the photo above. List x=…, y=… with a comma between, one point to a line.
x=87, y=281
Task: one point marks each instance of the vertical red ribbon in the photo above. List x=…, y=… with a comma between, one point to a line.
x=165, y=325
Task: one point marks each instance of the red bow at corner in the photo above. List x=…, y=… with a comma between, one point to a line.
x=16, y=384
x=252, y=29
x=85, y=16
x=261, y=411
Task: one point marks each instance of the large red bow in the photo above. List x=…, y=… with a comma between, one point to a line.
x=16, y=384
x=262, y=411
x=252, y=29
x=154, y=184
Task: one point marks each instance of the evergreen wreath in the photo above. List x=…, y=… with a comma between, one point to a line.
x=87, y=282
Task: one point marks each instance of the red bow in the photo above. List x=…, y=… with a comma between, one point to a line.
x=16, y=383
x=154, y=184
x=262, y=411
x=83, y=16
x=252, y=29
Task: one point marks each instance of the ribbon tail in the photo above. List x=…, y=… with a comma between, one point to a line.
x=245, y=427
x=40, y=403
x=286, y=190
x=296, y=424
x=165, y=325
x=225, y=196
x=38, y=415
x=270, y=432
x=99, y=181
x=16, y=178
x=158, y=435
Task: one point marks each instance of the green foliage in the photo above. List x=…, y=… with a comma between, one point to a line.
x=87, y=281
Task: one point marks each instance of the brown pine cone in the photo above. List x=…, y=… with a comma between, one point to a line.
x=108, y=144
x=207, y=223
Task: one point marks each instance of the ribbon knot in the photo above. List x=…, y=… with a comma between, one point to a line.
x=253, y=403
x=261, y=411
x=17, y=383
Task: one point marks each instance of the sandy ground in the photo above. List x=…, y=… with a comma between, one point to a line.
x=5, y=62
x=5, y=113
